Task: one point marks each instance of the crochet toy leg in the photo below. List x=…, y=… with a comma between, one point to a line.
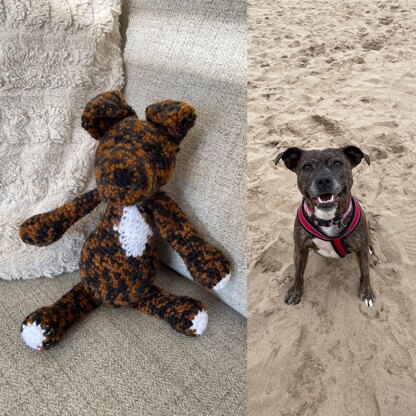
x=46, y=326
x=184, y=314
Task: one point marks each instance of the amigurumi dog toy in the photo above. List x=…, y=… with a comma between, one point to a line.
x=118, y=261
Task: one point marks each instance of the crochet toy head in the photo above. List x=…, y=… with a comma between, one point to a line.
x=134, y=158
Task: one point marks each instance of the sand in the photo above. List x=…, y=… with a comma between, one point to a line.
x=325, y=74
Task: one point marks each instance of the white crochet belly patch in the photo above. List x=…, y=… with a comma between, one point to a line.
x=134, y=231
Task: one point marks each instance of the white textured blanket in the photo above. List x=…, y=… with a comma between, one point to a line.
x=54, y=56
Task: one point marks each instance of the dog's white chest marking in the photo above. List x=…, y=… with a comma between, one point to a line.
x=325, y=215
x=331, y=231
x=134, y=232
x=324, y=248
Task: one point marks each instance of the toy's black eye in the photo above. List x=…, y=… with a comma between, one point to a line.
x=337, y=163
x=118, y=138
x=307, y=167
x=147, y=147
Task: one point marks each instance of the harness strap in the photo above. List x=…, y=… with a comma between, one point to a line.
x=339, y=248
x=336, y=242
x=327, y=223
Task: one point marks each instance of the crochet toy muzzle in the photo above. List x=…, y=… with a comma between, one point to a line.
x=134, y=158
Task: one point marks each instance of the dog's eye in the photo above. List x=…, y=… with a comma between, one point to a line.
x=337, y=163
x=307, y=167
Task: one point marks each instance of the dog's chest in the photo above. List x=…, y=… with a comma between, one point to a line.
x=134, y=232
x=325, y=248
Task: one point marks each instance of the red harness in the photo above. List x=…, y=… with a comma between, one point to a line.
x=337, y=242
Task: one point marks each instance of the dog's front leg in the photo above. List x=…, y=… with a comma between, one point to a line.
x=294, y=294
x=365, y=292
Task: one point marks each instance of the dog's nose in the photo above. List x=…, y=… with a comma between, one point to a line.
x=122, y=177
x=324, y=181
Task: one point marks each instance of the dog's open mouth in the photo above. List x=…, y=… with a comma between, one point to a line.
x=327, y=201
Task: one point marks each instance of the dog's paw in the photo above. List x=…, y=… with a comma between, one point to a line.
x=366, y=294
x=293, y=296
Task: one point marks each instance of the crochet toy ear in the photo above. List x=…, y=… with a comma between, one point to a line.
x=175, y=117
x=290, y=157
x=355, y=155
x=104, y=111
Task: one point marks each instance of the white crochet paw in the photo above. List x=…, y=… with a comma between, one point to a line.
x=222, y=283
x=33, y=335
x=200, y=322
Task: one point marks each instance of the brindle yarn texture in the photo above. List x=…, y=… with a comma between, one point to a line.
x=118, y=262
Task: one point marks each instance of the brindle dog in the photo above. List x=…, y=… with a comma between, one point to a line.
x=325, y=179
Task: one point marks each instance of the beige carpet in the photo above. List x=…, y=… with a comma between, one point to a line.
x=325, y=74
x=119, y=361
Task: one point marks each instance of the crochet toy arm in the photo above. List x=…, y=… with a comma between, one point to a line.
x=207, y=265
x=44, y=229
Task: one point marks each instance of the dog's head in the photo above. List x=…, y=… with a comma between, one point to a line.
x=324, y=176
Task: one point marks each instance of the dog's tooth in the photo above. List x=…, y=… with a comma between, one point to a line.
x=332, y=198
x=319, y=200
x=370, y=303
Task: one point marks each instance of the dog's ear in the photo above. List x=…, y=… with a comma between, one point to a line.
x=290, y=158
x=355, y=155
